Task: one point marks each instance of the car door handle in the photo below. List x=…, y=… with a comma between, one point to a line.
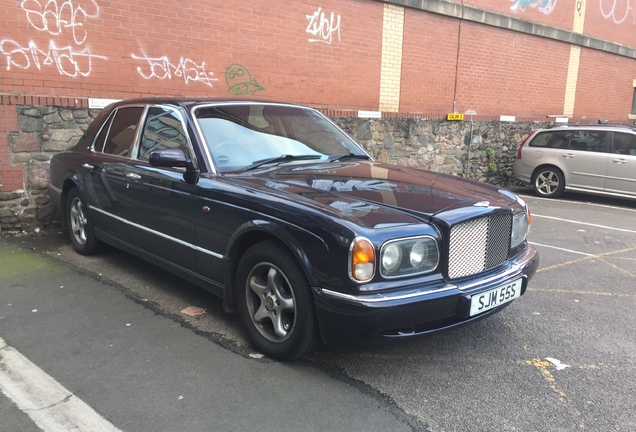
x=568, y=155
x=88, y=166
x=133, y=176
x=619, y=161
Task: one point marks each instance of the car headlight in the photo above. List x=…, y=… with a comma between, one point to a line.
x=520, y=225
x=408, y=257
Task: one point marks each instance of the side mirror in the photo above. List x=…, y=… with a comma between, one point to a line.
x=173, y=158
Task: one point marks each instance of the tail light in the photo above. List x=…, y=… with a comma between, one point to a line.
x=522, y=144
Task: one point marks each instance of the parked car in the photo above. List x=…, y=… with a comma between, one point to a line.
x=275, y=209
x=598, y=159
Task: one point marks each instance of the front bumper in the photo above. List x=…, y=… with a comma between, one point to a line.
x=365, y=318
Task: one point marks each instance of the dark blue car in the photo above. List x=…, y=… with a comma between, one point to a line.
x=279, y=212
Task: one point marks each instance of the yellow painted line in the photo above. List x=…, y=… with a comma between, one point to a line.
x=543, y=366
x=567, y=263
x=615, y=267
x=598, y=257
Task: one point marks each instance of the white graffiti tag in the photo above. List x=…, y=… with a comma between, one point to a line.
x=162, y=68
x=68, y=60
x=320, y=26
x=546, y=7
x=618, y=11
x=54, y=18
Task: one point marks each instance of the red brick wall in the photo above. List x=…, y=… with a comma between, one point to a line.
x=11, y=177
x=429, y=58
x=613, y=20
x=121, y=49
x=605, y=85
x=556, y=13
x=507, y=73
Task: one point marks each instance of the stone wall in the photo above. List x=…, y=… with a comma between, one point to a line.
x=480, y=150
x=435, y=145
x=43, y=131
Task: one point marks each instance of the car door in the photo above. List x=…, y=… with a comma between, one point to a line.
x=621, y=168
x=586, y=160
x=106, y=166
x=159, y=201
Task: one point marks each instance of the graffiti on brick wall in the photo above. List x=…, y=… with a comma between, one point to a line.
x=163, y=68
x=322, y=28
x=68, y=60
x=619, y=11
x=55, y=19
x=544, y=6
x=239, y=80
x=58, y=19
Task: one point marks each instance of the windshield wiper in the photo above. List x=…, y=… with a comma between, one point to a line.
x=347, y=156
x=279, y=159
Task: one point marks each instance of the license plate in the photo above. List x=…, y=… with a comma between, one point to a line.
x=495, y=297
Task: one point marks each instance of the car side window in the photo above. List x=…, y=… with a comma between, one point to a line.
x=122, y=132
x=624, y=144
x=590, y=141
x=163, y=130
x=557, y=140
x=98, y=145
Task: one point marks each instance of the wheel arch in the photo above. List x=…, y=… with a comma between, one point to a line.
x=258, y=231
x=68, y=184
x=547, y=165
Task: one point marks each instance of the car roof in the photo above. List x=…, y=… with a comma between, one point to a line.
x=595, y=126
x=188, y=101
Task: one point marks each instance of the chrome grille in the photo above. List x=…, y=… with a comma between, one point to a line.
x=478, y=245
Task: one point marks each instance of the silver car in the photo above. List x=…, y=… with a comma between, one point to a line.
x=598, y=159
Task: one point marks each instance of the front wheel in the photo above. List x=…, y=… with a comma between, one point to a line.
x=80, y=225
x=275, y=303
x=548, y=182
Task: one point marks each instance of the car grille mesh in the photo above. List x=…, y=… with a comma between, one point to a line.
x=479, y=245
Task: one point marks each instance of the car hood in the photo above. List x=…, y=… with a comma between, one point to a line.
x=373, y=194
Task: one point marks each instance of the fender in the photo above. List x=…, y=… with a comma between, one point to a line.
x=258, y=230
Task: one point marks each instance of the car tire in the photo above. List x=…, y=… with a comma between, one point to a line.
x=548, y=182
x=275, y=303
x=80, y=225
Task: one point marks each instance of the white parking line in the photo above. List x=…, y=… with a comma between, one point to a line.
x=561, y=249
x=51, y=406
x=586, y=203
x=585, y=223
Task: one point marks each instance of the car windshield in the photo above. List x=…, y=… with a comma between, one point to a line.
x=253, y=135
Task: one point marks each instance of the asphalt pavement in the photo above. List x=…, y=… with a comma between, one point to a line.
x=146, y=371
x=113, y=331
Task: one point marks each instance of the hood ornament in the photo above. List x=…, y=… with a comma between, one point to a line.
x=482, y=204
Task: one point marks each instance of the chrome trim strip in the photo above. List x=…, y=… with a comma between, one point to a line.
x=378, y=297
x=515, y=270
x=167, y=237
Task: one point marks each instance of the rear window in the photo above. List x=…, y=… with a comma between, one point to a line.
x=118, y=135
x=580, y=140
x=549, y=139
